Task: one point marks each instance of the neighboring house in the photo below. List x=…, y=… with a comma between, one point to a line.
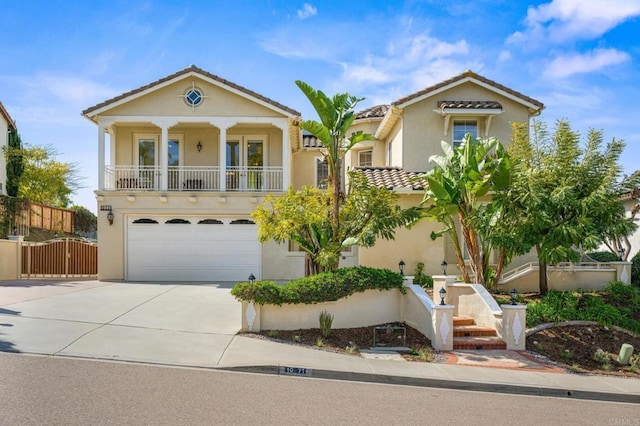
x=631, y=202
x=190, y=156
x=6, y=125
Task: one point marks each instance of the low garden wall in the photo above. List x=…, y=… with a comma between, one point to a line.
x=358, y=310
x=9, y=260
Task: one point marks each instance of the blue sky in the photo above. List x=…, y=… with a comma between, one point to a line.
x=581, y=58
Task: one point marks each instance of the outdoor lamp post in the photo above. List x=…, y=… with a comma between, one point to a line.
x=401, y=266
x=443, y=293
x=443, y=265
x=621, y=253
x=252, y=278
x=514, y=293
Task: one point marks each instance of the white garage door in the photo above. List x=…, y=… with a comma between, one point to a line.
x=191, y=249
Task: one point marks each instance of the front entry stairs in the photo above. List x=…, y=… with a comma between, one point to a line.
x=469, y=336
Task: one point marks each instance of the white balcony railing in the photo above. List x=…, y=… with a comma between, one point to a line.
x=193, y=178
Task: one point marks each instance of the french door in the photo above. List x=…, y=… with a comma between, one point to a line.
x=245, y=163
x=148, y=161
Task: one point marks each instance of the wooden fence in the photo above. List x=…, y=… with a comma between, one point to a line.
x=63, y=258
x=51, y=218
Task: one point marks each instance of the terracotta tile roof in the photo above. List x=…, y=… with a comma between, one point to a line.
x=392, y=177
x=634, y=194
x=187, y=70
x=7, y=117
x=373, y=112
x=469, y=104
x=469, y=74
x=310, y=141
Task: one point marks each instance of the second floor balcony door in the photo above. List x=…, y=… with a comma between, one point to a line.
x=148, y=162
x=245, y=163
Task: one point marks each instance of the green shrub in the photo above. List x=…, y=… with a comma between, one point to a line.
x=326, y=319
x=604, y=256
x=324, y=287
x=420, y=278
x=635, y=270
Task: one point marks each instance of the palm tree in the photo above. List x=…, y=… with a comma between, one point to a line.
x=336, y=117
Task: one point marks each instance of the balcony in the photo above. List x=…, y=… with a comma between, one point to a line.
x=194, y=178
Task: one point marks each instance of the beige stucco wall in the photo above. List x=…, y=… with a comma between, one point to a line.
x=304, y=168
x=562, y=280
x=396, y=138
x=207, y=135
x=4, y=128
x=358, y=310
x=424, y=129
x=411, y=245
x=168, y=101
x=9, y=260
x=112, y=238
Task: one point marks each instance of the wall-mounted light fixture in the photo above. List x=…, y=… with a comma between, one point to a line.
x=110, y=217
x=401, y=266
x=443, y=265
x=199, y=146
x=252, y=279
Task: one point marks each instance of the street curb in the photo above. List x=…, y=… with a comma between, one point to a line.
x=441, y=383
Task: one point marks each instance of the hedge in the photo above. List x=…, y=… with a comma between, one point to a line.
x=324, y=287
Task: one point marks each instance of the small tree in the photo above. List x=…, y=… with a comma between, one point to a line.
x=84, y=221
x=45, y=180
x=15, y=162
x=304, y=216
x=563, y=197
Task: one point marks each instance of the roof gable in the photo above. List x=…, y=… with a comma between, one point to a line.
x=468, y=76
x=191, y=71
x=4, y=113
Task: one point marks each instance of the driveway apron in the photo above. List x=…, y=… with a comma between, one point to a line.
x=162, y=323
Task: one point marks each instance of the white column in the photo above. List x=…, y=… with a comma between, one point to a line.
x=164, y=160
x=101, y=154
x=286, y=154
x=222, y=159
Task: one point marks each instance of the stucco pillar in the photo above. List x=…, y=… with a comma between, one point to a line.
x=440, y=281
x=250, y=316
x=623, y=271
x=101, y=154
x=443, y=327
x=514, y=326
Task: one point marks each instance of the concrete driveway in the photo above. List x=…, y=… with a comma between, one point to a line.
x=166, y=323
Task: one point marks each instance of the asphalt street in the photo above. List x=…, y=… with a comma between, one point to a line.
x=38, y=390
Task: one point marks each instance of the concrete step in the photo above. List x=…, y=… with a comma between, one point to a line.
x=472, y=330
x=458, y=321
x=478, y=343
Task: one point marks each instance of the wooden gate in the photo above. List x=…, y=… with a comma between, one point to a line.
x=59, y=258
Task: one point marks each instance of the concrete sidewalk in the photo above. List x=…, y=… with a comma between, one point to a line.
x=196, y=326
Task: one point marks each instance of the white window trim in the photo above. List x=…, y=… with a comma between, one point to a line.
x=453, y=123
x=370, y=151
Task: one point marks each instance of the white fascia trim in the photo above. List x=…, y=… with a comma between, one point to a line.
x=282, y=122
x=364, y=145
x=183, y=77
x=390, y=119
x=479, y=83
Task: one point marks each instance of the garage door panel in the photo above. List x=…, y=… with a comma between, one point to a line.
x=192, y=252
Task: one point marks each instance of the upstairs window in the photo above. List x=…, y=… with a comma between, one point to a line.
x=461, y=128
x=365, y=158
x=322, y=172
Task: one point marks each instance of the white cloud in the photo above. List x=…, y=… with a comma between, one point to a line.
x=307, y=11
x=568, y=65
x=565, y=20
x=505, y=55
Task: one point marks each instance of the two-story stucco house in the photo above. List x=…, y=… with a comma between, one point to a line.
x=183, y=162
x=7, y=125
